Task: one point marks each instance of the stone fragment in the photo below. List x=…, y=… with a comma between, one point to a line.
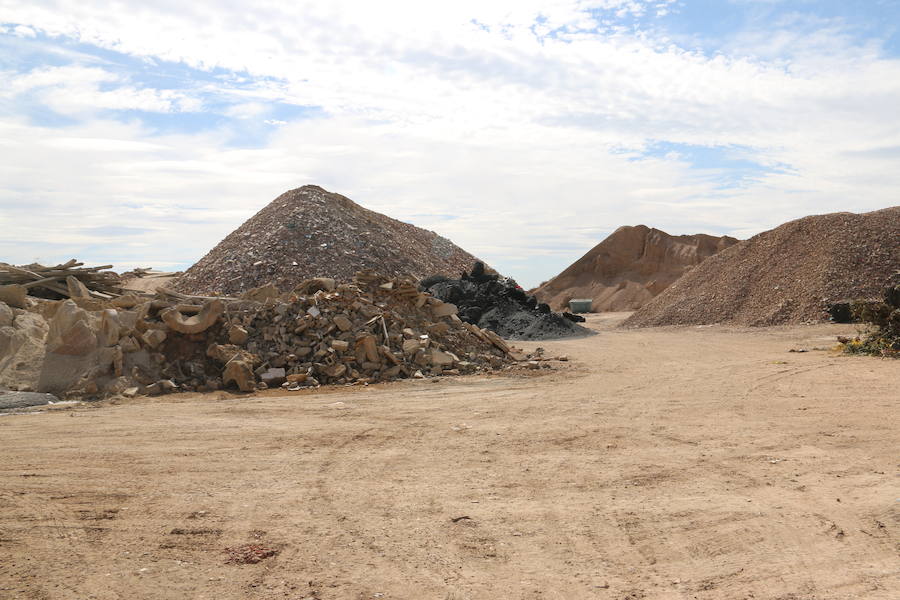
x=237, y=335
x=153, y=337
x=297, y=378
x=343, y=323
x=444, y=309
x=110, y=328
x=438, y=328
x=340, y=345
x=273, y=377
x=14, y=295
x=162, y=386
x=241, y=374
x=370, y=346
x=6, y=315
x=77, y=340
x=440, y=358
x=335, y=370
x=76, y=288
x=130, y=392
x=410, y=346
x=208, y=315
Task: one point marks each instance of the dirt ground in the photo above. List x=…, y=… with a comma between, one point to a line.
x=663, y=463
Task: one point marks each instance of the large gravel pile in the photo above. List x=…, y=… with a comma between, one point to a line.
x=786, y=275
x=309, y=232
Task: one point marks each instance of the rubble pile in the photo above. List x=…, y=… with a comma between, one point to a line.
x=68, y=280
x=788, y=275
x=884, y=317
x=309, y=232
x=374, y=329
x=496, y=303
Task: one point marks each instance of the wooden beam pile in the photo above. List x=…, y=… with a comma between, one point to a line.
x=70, y=280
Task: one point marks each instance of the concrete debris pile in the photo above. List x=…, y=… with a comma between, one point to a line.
x=375, y=329
x=68, y=280
x=499, y=304
x=787, y=275
x=310, y=232
x=884, y=318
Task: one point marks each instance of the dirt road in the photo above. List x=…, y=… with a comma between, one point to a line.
x=686, y=463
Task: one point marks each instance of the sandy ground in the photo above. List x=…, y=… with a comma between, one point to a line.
x=669, y=463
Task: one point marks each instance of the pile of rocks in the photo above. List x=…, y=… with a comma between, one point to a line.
x=311, y=232
x=787, y=275
x=497, y=303
x=374, y=329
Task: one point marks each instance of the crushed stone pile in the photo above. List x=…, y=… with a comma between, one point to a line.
x=629, y=268
x=374, y=329
x=490, y=301
x=310, y=232
x=788, y=275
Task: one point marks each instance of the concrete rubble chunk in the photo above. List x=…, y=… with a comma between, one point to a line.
x=76, y=288
x=439, y=357
x=343, y=323
x=273, y=377
x=6, y=315
x=237, y=335
x=445, y=309
x=241, y=374
x=14, y=295
x=153, y=337
x=110, y=328
x=208, y=315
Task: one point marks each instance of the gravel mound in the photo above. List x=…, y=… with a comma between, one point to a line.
x=629, y=268
x=787, y=275
x=500, y=305
x=309, y=232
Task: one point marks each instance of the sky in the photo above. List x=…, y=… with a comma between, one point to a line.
x=142, y=133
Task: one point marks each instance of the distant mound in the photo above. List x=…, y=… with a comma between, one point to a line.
x=629, y=268
x=785, y=275
x=310, y=232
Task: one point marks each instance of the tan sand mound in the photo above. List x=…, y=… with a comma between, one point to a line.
x=629, y=268
x=786, y=275
x=309, y=232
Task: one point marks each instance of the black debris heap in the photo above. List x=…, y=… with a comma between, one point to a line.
x=501, y=305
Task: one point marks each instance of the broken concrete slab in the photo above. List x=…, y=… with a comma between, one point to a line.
x=10, y=399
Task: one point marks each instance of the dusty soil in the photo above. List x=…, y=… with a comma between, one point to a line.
x=661, y=463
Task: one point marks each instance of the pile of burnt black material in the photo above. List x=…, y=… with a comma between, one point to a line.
x=501, y=305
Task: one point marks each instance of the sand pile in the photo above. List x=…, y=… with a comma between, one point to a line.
x=629, y=268
x=497, y=303
x=309, y=232
x=787, y=275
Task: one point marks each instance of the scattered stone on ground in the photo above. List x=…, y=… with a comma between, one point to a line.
x=374, y=329
x=500, y=305
x=788, y=275
x=309, y=232
x=629, y=268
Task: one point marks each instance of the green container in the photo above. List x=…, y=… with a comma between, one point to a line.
x=580, y=306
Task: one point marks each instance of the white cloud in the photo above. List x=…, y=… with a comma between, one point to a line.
x=525, y=120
